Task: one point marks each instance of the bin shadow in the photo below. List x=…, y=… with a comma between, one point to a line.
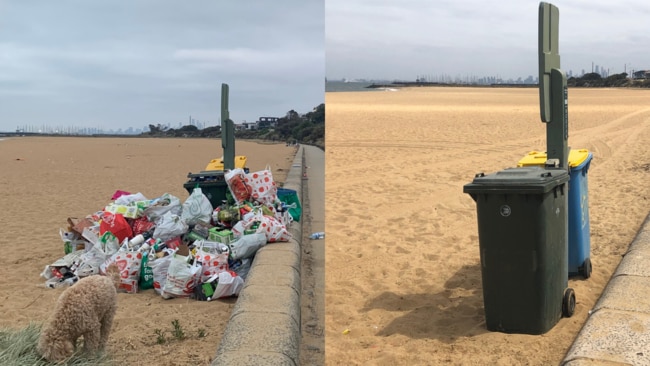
x=458, y=311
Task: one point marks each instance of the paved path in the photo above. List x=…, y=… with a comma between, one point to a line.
x=312, y=350
x=618, y=330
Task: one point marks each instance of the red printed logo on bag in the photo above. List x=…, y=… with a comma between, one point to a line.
x=121, y=265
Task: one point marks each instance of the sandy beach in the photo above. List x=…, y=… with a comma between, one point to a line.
x=45, y=180
x=403, y=277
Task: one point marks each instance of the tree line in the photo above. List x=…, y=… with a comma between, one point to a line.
x=308, y=128
x=593, y=79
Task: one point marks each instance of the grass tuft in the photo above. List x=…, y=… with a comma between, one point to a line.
x=178, y=330
x=18, y=347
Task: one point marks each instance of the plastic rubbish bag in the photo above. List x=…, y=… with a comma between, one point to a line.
x=291, y=202
x=182, y=277
x=197, y=207
x=116, y=224
x=66, y=263
x=162, y=205
x=128, y=262
x=223, y=284
x=247, y=245
x=142, y=225
x=108, y=243
x=213, y=257
x=91, y=260
x=273, y=229
x=229, y=284
x=169, y=226
x=145, y=281
x=263, y=187
x=238, y=185
x=242, y=267
x=247, y=222
x=127, y=199
x=159, y=267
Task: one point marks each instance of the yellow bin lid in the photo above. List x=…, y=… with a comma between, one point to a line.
x=217, y=164
x=536, y=158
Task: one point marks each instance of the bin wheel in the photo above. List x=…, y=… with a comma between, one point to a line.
x=568, y=303
x=586, y=268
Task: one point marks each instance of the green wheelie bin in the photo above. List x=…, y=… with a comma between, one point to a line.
x=522, y=225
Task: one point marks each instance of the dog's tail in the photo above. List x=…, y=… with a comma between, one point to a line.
x=113, y=272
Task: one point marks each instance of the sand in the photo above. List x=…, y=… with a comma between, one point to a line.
x=403, y=280
x=45, y=180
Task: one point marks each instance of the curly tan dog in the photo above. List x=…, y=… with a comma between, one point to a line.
x=85, y=309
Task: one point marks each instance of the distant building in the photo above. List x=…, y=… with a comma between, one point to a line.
x=247, y=126
x=641, y=74
x=267, y=122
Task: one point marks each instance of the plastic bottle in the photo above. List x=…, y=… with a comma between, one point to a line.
x=137, y=240
x=318, y=235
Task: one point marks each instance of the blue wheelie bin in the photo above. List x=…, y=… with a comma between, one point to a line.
x=579, y=232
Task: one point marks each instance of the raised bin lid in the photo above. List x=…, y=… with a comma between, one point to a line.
x=537, y=158
x=217, y=164
x=524, y=180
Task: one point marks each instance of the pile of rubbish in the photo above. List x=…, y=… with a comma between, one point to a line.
x=189, y=249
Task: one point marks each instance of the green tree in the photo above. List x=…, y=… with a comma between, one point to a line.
x=317, y=115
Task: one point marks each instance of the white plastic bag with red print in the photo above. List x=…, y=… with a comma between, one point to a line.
x=228, y=284
x=264, y=189
x=273, y=229
x=159, y=267
x=213, y=257
x=128, y=262
x=182, y=277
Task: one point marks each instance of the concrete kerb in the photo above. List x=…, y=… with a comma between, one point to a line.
x=618, y=330
x=264, y=326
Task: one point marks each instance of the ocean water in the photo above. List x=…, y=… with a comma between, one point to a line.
x=352, y=86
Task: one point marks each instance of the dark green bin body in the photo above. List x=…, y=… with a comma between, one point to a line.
x=523, y=236
x=212, y=183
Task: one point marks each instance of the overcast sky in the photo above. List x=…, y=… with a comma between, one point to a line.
x=115, y=64
x=390, y=39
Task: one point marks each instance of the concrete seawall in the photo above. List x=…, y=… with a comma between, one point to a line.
x=264, y=326
x=618, y=330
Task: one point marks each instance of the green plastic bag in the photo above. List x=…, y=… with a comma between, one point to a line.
x=290, y=198
x=146, y=273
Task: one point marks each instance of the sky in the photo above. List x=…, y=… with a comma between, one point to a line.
x=118, y=64
x=401, y=40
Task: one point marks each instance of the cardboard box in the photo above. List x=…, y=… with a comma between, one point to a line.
x=78, y=225
x=221, y=236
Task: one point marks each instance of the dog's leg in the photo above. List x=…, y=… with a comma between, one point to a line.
x=107, y=323
x=92, y=337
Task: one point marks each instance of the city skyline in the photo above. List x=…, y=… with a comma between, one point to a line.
x=374, y=39
x=482, y=80
x=99, y=130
